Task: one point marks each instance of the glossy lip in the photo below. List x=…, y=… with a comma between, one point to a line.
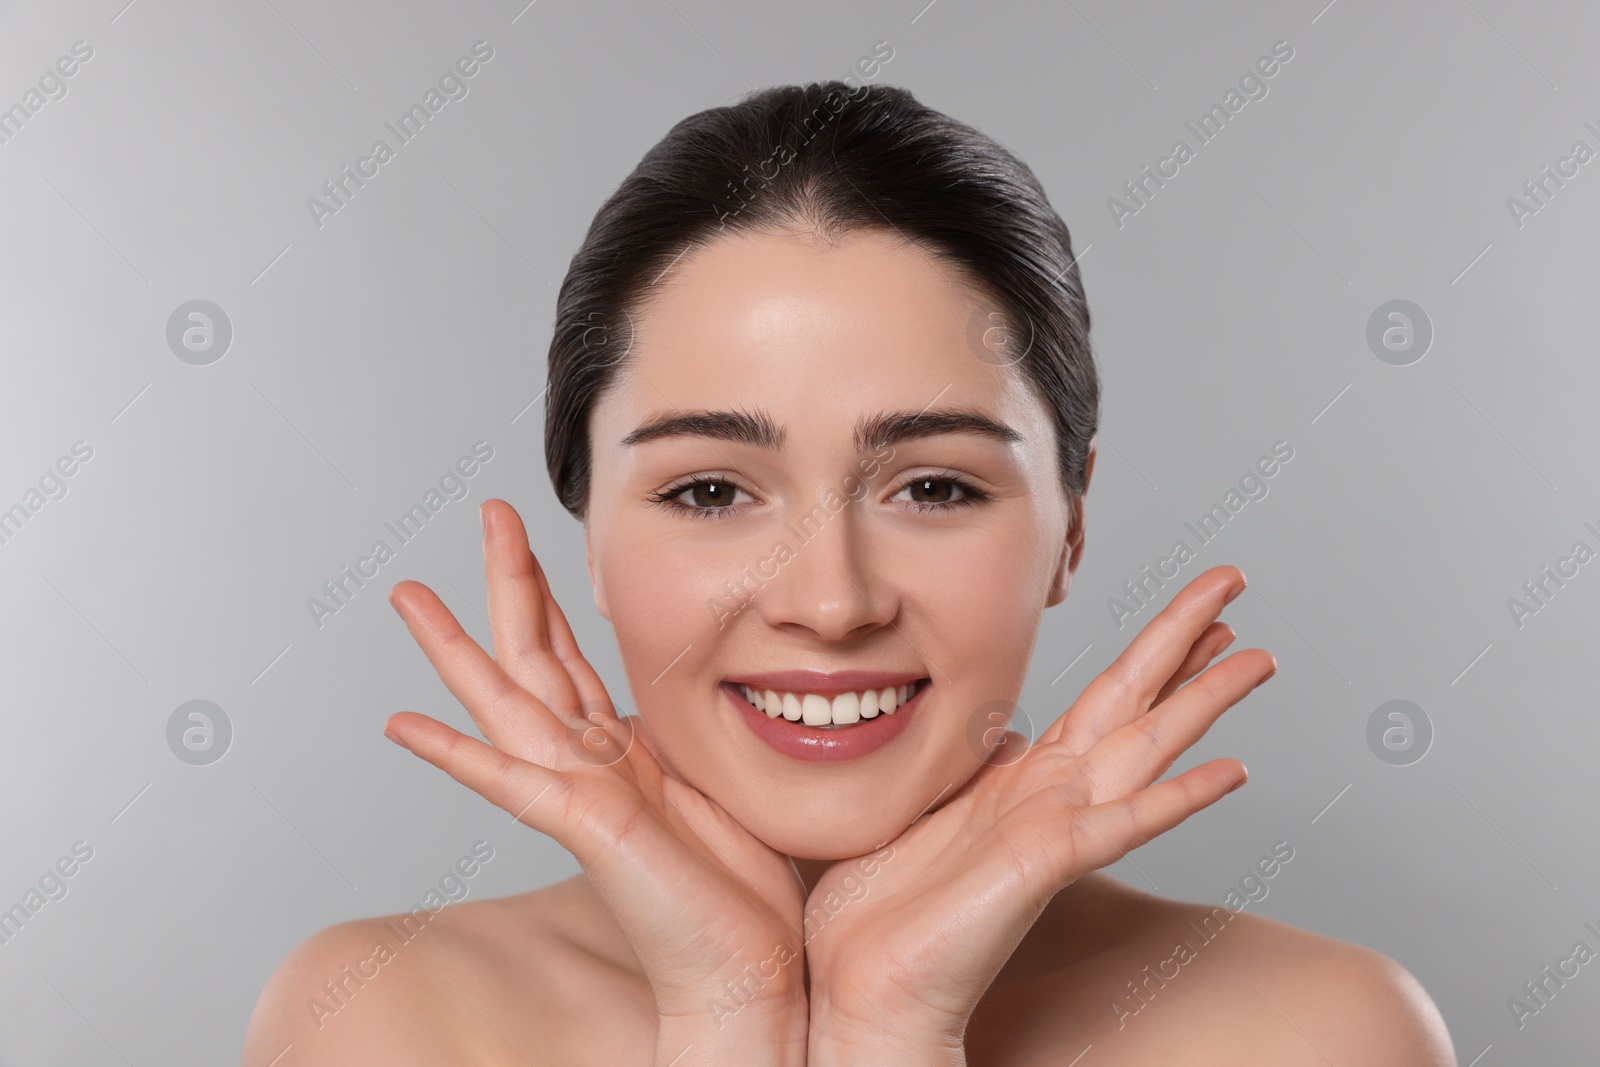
x=815, y=745
x=824, y=683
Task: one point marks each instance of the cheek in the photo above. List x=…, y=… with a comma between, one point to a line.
x=993, y=597
x=645, y=591
x=974, y=626
x=663, y=600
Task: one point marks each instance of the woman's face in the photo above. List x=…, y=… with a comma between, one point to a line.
x=912, y=554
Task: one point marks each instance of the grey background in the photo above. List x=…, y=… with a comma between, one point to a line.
x=369, y=354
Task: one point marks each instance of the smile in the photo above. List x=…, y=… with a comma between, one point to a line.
x=847, y=708
x=831, y=726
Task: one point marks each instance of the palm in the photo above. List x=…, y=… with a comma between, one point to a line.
x=966, y=882
x=697, y=895
x=932, y=904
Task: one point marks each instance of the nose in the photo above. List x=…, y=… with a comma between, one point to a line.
x=828, y=584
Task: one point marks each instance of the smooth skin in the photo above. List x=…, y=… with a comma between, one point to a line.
x=986, y=933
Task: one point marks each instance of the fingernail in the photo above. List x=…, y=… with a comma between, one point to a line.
x=1237, y=784
x=1269, y=674
x=483, y=516
x=1233, y=594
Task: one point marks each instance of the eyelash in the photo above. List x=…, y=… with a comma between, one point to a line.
x=668, y=498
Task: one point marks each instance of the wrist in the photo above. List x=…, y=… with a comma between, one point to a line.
x=766, y=1034
x=837, y=1043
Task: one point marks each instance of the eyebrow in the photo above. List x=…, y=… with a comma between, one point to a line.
x=870, y=433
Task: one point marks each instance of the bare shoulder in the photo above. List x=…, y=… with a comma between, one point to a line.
x=1297, y=997
x=1144, y=979
x=1325, y=999
x=349, y=993
x=504, y=980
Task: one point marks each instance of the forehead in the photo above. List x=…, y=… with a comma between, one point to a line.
x=823, y=329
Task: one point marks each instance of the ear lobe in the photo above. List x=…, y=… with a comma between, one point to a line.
x=1067, y=564
x=594, y=578
x=1062, y=582
x=1072, y=550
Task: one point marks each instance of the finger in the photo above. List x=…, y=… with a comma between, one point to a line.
x=1136, y=754
x=1125, y=689
x=535, y=796
x=1103, y=833
x=591, y=690
x=517, y=616
x=508, y=715
x=1216, y=637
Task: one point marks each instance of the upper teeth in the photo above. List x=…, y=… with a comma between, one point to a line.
x=817, y=710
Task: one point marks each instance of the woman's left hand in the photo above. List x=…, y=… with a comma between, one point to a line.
x=896, y=974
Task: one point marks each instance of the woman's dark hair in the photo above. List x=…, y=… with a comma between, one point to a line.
x=835, y=158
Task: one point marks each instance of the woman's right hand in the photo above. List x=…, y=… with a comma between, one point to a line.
x=702, y=901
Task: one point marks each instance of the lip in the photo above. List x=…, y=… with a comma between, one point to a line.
x=824, y=683
x=813, y=745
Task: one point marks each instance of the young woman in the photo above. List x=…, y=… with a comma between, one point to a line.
x=822, y=394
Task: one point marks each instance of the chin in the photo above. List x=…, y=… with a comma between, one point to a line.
x=843, y=837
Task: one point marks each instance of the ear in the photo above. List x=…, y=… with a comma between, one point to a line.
x=1072, y=550
x=595, y=578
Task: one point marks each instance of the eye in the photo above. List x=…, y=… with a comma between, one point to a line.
x=939, y=485
x=712, y=495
